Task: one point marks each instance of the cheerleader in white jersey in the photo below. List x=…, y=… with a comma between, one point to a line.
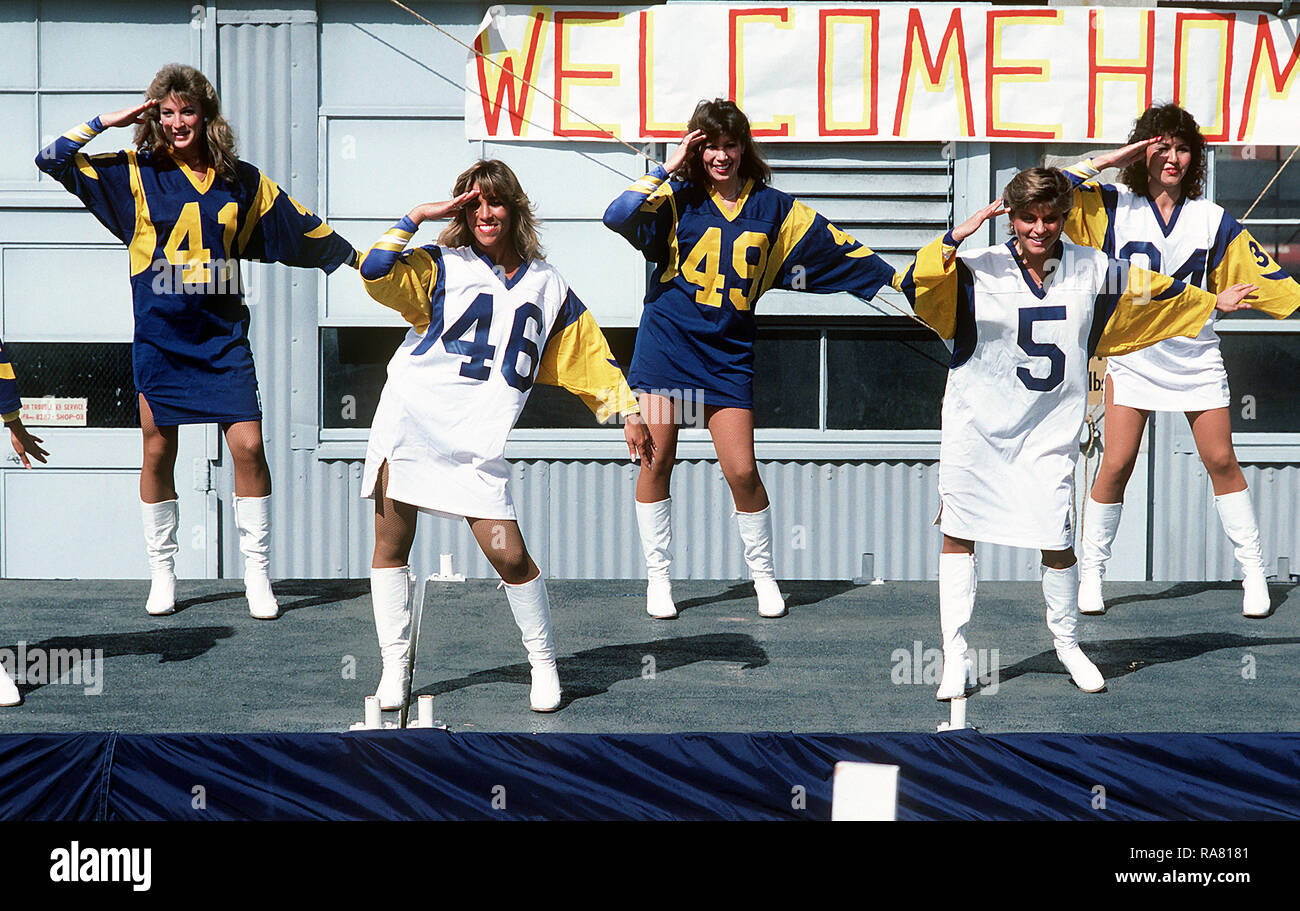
x=27, y=447
x=188, y=211
x=718, y=240
x=489, y=317
x=1161, y=221
x=1021, y=319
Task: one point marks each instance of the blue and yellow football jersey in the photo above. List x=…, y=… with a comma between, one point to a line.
x=186, y=233
x=10, y=404
x=711, y=265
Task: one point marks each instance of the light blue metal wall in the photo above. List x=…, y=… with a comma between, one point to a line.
x=297, y=81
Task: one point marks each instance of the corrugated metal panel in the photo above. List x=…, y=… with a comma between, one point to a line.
x=1188, y=541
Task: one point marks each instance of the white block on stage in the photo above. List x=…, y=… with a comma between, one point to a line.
x=864, y=791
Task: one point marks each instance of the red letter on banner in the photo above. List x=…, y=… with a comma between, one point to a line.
x=1282, y=76
x=992, y=71
x=934, y=69
x=1225, y=68
x=869, y=71
x=599, y=74
x=1144, y=67
x=505, y=77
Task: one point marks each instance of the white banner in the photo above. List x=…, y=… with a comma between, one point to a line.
x=860, y=73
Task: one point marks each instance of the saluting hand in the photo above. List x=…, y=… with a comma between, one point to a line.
x=128, y=116
x=1235, y=298
x=1122, y=158
x=683, y=151
x=640, y=444
x=435, y=211
x=972, y=224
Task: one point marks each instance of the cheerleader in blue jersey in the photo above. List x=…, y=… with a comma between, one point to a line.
x=718, y=238
x=1021, y=320
x=189, y=210
x=1161, y=220
x=489, y=317
x=27, y=447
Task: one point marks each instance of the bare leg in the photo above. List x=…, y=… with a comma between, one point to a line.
x=1104, y=506
x=503, y=545
x=654, y=505
x=394, y=527
x=159, y=510
x=248, y=454
x=158, y=467
x=732, y=430
x=390, y=591
x=661, y=416
x=1212, y=431
x=253, y=514
x=1124, y=428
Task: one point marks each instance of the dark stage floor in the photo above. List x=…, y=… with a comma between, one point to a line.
x=1177, y=657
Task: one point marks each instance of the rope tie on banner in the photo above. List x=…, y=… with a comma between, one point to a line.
x=1276, y=175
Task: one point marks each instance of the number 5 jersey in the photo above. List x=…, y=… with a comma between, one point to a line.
x=186, y=233
x=1017, y=387
x=458, y=382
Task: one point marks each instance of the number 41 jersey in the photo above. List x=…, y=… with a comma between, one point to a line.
x=458, y=382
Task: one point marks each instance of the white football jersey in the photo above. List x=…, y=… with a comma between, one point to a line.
x=1178, y=374
x=462, y=375
x=1017, y=389
x=1202, y=245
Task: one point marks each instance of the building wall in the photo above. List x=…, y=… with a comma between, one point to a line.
x=355, y=108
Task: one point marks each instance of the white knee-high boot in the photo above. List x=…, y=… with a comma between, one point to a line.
x=957, y=584
x=9, y=694
x=1100, y=523
x=1061, y=591
x=390, y=597
x=160, y=521
x=532, y=610
x=654, y=521
x=1237, y=513
x=756, y=532
x=253, y=519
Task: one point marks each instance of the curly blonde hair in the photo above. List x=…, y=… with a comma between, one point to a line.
x=190, y=85
x=499, y=185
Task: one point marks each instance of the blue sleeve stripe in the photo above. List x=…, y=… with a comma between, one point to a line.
x=1110, y=199
x=1225, y=235
x=964, y=339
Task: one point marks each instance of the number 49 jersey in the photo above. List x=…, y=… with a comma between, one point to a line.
x=1017, y=388
x=458, y=382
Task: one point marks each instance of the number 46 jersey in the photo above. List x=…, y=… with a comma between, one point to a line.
x=1017, y=388
x=458, y=382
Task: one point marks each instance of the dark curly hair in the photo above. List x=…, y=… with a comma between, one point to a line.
x=720, y=117
x=1167, y=120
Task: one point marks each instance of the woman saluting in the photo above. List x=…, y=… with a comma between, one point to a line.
x=188, y=210
x=719, y=238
